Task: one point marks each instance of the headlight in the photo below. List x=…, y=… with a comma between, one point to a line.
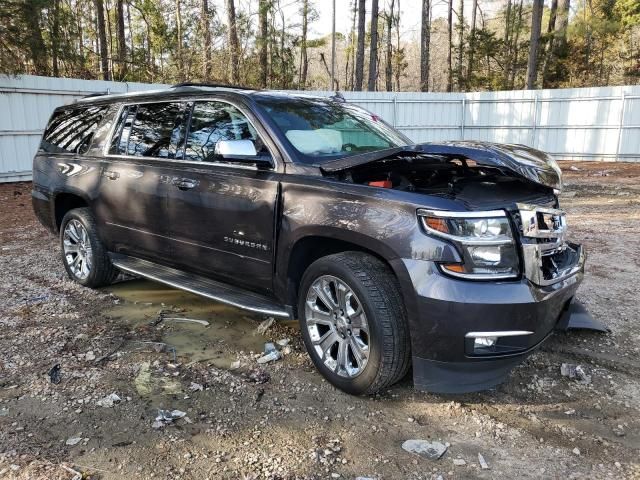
x=484, y=239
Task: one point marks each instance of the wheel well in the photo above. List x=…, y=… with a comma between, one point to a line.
x=308, y=250
x=65, y=202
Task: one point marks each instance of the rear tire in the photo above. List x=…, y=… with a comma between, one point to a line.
x=84, y=257
x=353, y=322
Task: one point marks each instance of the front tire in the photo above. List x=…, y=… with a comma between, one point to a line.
x=354, y=323
x=84, y=257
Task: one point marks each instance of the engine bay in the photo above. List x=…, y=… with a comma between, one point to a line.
x=463, y=179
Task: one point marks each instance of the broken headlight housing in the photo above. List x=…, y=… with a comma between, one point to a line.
x=484, y=239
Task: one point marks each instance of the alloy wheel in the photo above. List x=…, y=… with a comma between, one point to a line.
x=337, y=326
x=77, y=249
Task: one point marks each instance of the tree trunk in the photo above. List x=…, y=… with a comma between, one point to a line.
x=360, y=52
x=472, y=41
x=122, y=44
x=460, y=67
x=353, y=47
x=37, y=49
x=373, y=47
x=389, y=66
x=450, y=46
x=425, y=43
x=515, y=50
x=551, y=28
x=179, y=43
x=400, y=66
x=304, y=61
x=234, y=56
x=534, y=43
x=55, y=36
x=206, y=47
x=263, y=10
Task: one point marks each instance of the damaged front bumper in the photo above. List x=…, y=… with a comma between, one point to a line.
x=467, y=336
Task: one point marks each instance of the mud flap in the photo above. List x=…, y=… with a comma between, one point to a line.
x=576, y=317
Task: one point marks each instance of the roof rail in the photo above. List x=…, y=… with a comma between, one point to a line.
x=212, y=85
x=97, y=94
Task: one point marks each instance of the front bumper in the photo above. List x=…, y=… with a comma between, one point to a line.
x=445, y=309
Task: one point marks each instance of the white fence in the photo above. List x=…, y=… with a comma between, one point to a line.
x=578, y=124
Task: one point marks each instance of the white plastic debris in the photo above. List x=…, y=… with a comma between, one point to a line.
x=284, y=342
x=196, y=387
x=459, y=462
x=108, y=401
x=430, y=450
x=269, y=357
x=483, y=463
x=235, y=365
x=166, y=417
x=73, y=441
x=89, y=356
x=575, y=371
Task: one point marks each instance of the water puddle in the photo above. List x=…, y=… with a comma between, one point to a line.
x=230, y=330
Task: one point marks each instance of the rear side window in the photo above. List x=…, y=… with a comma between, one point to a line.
x=150, y=130
x=71, y=130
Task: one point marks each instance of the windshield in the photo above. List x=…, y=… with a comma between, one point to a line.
x=322, y=130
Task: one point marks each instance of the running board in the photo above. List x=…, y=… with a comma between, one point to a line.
x=218, y=291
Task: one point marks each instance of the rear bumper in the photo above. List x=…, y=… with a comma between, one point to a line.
x=446, y=311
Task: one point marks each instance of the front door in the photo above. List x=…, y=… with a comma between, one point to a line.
x=221, y=212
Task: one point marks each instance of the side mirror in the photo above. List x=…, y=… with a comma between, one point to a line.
x=235, y=148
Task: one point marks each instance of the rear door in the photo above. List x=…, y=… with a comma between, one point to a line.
x=134, y=184
x=221, y=212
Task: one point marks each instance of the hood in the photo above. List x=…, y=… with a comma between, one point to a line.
x=529, y=163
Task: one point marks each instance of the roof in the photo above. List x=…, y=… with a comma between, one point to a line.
x=183, y=89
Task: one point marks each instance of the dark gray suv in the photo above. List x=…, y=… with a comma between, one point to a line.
x=450, y=258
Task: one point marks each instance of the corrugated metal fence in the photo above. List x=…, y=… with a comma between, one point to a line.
x=581, y=124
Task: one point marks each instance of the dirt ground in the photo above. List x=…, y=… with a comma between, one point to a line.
x=539, y=424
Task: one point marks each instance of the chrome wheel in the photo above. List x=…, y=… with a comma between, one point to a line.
x=337, y=326
x=77, y=249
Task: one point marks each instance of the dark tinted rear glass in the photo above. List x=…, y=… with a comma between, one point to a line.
x=150, y=130
x=71, y=130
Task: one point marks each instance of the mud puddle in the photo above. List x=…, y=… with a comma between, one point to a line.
x=231, y=332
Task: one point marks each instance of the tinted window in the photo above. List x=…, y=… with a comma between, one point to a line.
x=149, y=130
x=215, y=121
x=71, y=130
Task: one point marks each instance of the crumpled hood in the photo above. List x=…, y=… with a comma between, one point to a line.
x=534, y=165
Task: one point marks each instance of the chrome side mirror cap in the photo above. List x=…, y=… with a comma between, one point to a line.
x=235, y=148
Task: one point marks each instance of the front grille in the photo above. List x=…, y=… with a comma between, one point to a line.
x=548, y=258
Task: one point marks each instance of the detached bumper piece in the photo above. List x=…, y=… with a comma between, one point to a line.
x=578, y=318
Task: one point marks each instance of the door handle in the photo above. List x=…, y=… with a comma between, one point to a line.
x=185, y=183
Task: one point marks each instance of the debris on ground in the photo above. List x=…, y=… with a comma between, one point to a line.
x=196, y=387
x=483, y=463
x=235, y=365
x=73, y=441
x=204, y=323
x=459, y=462
x=54, y=374
x=258, y=375
x=166, y=417
x=574, y=168
x=284, y=342
x=264, y=326
x=576, y=451
x=269, y=347
x=76, y=475
x=430, y=450
x=269, y=357
x=571, y=370
x=108, y=401
x=89, y=356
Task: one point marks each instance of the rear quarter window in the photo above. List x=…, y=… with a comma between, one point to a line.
x=71, y=130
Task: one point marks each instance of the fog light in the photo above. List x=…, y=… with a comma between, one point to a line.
x=483, y=342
